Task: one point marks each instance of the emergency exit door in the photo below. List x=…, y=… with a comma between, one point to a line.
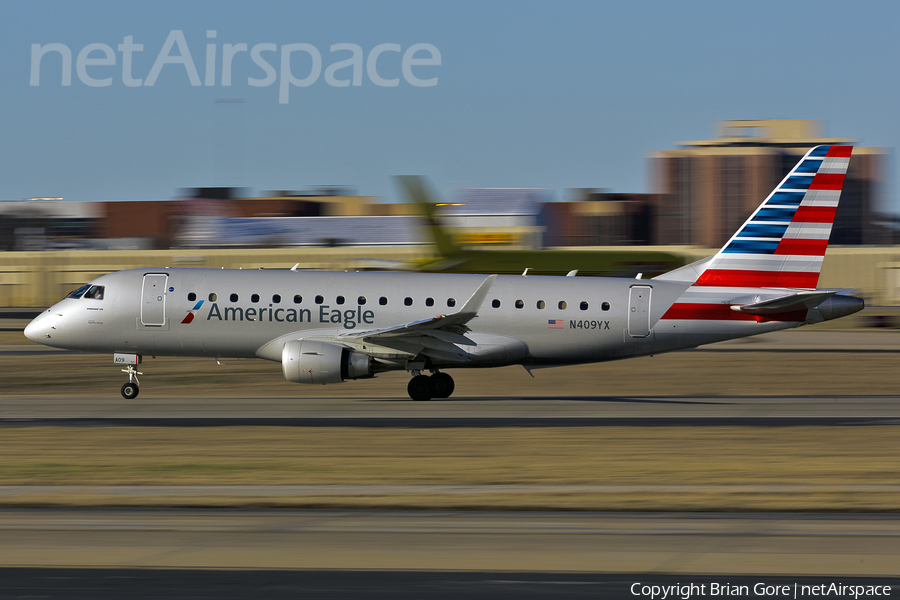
x=153, y=300
x=639, y=311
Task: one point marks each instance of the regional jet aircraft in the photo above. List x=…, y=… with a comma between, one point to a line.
x=331, y=327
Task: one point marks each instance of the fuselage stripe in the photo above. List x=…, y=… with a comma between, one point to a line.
x=743, y=278
x=723, y=312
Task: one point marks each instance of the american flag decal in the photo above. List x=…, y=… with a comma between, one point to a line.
x=555, y=324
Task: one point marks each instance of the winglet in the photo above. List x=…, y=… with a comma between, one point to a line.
x=475, y=300
x=445, y=322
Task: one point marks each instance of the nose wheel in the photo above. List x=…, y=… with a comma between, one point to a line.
x=423, y=388
x=131, y=389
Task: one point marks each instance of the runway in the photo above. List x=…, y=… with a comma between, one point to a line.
x=473, y=422
x=765, y=544
x=805, y=376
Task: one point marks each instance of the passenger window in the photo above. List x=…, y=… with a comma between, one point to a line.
x=339, y=299
x=451, y=302
x=429, y=301
x=382, y=301
x=361, y=300
x=192, y=296
x=604, y=306
x=407, y=301
x=298, y=299
x=584, y=306
x=495, y=303
x=541, y=304
x=213, y=296
x=276, y=299
x=520, y=304
x=319, y=299
x=254, y=298
x=233, y=297
x=562, y=305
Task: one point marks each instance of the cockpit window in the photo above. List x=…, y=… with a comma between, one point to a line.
x=79, y=292
x=94, y=292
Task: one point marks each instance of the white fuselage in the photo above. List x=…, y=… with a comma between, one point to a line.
x=251, y=313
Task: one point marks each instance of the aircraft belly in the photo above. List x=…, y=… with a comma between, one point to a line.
x=677, y=334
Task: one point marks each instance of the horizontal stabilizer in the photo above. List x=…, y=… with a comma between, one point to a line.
x=783, y=304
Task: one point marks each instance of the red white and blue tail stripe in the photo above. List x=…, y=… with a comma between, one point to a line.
x=783, y=243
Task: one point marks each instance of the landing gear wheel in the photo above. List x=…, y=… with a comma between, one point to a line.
x=130, y=391
x=419, y=388
x=442, y=385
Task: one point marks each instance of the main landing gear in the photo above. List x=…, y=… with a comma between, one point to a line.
x=422, y=387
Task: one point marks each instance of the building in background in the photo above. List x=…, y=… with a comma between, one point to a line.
x=598, y=218
x=47, y=224
x=703, y=191
x=707, y=189
x=484, y=218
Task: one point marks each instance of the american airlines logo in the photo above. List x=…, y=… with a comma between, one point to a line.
x=296, y=65
x=347, y=318
x=190, y=316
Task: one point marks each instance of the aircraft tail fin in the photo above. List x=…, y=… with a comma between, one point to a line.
x=783, y=242
x=418, y=192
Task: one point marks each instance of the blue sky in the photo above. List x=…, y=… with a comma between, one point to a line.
x=528, y=94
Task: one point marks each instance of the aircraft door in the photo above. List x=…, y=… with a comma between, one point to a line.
x=639, y=311
x=153, y=300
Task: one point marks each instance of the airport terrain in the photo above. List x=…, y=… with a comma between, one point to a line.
x=766, y=456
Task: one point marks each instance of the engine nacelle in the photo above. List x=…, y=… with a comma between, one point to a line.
x=309, y=361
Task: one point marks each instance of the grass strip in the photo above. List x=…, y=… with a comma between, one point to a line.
x=721, y=468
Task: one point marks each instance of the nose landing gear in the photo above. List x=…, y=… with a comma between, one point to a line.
x=131, y=389
x=423, y=388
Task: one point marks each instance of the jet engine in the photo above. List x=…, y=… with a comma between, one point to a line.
x=309, y=361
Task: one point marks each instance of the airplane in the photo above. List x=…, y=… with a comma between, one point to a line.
x=452, y=258
x=330, y=327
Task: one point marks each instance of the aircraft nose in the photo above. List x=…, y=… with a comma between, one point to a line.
x=37, y=330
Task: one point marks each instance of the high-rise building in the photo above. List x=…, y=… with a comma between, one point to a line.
x=707, y=189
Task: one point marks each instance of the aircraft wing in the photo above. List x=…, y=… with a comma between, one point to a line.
x=436, y=337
